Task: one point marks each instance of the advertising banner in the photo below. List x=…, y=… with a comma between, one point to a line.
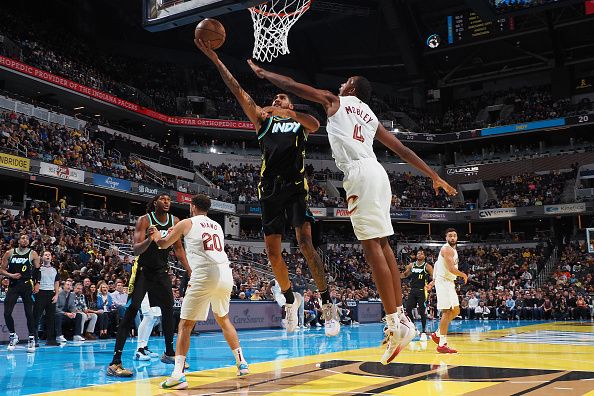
x=470, y=170
x=183, y=197
x=246, y=315
x=565, y=208
x=112, y=182
x=432, y=215
x=114, y=100
x=318, y=212
x=222, y=206
x=497, y=213
x=14, y=162
x=63, y=172
x=400, y=214
x=369, y=312
x=20, y=323
x=528, y=126
x=151, y=190
x=341, y=212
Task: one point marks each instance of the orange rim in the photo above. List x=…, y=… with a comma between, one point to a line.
x=304, y=8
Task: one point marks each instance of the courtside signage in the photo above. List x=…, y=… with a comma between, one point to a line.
x=341, y=212
x=318, y=212
x=63, y=172
x=111, y=182
x=111, y=99
x=497, y=213
x=222, y=206
x=565, y=208
x=14, y=162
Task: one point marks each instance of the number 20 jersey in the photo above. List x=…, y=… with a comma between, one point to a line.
x=205, y=243
x=351, y=131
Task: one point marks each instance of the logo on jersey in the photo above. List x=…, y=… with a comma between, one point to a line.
x=19, y=260
x=286, y=127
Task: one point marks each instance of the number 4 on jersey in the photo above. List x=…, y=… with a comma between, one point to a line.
x=357, y=135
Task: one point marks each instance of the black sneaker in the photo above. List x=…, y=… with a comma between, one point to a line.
x=116, y=370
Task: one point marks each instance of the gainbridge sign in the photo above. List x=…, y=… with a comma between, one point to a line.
x=246, y=315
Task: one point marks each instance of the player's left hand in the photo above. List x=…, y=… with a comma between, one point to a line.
x=257, y=69
x=440, y=183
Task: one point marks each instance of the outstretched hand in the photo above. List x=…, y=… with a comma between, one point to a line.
x=205, y=48
x=440, y=183
x=257, y=69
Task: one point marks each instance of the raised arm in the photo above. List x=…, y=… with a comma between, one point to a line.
x=141, y=242
x=175, y=233
x=327, y=99
x=310, y=123
x=250, y=108
x=406, y=154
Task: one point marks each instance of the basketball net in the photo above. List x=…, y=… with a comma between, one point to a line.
x=272, y=22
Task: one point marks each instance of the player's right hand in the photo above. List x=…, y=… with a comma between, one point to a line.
x=205, y=48
x=440, y=183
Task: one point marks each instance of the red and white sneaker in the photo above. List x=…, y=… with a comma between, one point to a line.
x=445, y=349
x=435, y=338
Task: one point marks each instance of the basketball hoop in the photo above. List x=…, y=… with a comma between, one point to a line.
x=272, y=22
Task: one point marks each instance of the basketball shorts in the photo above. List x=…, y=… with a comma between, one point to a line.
x=369, y=197
x=283, y=201
x=146, y=309
x=447, y=298
x=209, y=286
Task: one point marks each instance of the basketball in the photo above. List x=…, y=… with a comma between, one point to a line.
x=211, y=32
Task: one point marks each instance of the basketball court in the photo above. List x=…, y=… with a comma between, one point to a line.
x=495, y=358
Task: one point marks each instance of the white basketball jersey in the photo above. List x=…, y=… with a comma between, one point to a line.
x=351, y=131
x=440, y=271
x=205, y=243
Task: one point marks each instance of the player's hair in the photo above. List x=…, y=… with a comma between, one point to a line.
x=450, y=230
x=150, y=206
x=292, y=98
x=201, y=201
x=362, y=88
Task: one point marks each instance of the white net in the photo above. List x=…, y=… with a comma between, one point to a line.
x=272, y=22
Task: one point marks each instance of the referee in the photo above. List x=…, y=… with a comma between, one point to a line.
x=47, y=289
x=419, y=271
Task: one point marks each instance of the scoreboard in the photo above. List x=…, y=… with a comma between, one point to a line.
x=469, y=26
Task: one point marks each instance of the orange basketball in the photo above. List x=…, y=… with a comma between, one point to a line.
x=211, y=32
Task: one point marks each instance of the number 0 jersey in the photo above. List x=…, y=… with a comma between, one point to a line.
x=20, y=263
x=205, y=243
x=351, y=131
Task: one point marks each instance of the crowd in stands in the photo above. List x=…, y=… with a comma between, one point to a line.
x=528, y=189
x=158, y=85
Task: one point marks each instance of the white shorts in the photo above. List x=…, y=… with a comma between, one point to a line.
x=146, y=309
x=210, y=285
x=369, y=197
x=447, y=298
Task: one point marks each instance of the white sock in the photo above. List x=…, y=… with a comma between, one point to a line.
x=442, y=340
x=238, y=353
x=400, y=310
x=392, y=320
x=178, y=370
x=437, y=333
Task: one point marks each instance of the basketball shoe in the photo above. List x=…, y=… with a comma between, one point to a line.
x=396, y=339
x=141, y=354
x=292, y=313
x=172, y=383
x=13, y=341
x=242, y=369
x=331, y=320
x=31, y=345
x=446, y=349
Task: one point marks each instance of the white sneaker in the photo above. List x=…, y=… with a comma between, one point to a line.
x=14, y=340
x=78, y=338
x=61, y=339
x=138, y=355
x=292, y=314
x=31, y=345
x=331, y=320
x=242, y=369
x=423, y=337
x=391, y=341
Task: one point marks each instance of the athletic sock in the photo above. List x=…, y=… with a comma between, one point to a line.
x=178, y=370
x=400, y=310
x=442, y=340
x=326, y=299
x=238, y=356
x=117, y=358
x=437, y=333
x=392, y=321
x=289, y=297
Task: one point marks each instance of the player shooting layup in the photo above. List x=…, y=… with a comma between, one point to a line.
x=352, y=127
